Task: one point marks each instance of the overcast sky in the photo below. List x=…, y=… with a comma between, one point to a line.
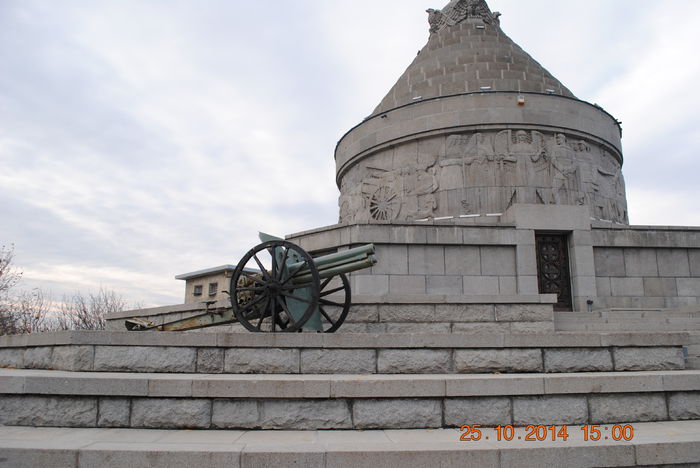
x=141, y=139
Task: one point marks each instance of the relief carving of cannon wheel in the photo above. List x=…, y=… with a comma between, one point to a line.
x=384, y=204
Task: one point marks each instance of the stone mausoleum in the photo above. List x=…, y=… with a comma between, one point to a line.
x=483, y=180
x=510, y=291
x=495, y=198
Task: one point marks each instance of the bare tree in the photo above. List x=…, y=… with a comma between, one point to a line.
x=8, y=278
x=31, y=310
x=8, y=275
x=88, y=313
x=8, y=322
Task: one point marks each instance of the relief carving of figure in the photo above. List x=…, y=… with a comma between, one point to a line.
x=582, y=147
x=609, y=181
x=427, y=204
x=520, y=148
x=352, y=204
x=565, y=173
x=467, y=149
x=343, y=210
x=511, y=147
x=420, y=186
x=608, y=186
x=474, y=154
x=420, y=182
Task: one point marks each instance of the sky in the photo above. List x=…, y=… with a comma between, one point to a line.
x=142, y=139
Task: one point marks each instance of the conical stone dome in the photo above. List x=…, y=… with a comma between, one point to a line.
x=473, y=126
x=470, y=55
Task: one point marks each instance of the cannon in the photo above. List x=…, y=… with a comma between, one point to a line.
x=279, y=287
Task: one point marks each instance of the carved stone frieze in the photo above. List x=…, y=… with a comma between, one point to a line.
x=483, y=173
x=402, y=194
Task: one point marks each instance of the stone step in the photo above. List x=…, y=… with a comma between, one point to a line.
x=292, y=402
x=656, y=318
x=399, y=314
x=689, y=309
x=632, y=313
x=654, y=444
x=355, y=354
x=627, y=325
x=649, y=315
x=621, y=320
x=693, y=363
x=616, y=328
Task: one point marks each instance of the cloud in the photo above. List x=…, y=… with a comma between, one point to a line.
x=140, y=140
x=661, y=206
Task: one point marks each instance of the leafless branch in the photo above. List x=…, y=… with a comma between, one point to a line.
x=88, y=313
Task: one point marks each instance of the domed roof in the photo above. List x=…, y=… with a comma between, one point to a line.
x=468, y=52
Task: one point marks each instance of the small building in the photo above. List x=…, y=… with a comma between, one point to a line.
x=211, y=284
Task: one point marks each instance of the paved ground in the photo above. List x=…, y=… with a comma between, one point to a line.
x=663, y=443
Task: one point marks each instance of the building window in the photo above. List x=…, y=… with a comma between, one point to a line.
x=213, y=288
x=198, y=290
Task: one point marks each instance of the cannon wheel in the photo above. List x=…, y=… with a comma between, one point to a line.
x=333, y=313
x=329, y=320
x=265, y=294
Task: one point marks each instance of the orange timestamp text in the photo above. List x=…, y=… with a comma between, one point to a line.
x=541, y=432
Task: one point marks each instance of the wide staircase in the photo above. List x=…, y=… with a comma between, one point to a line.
x=638, y=320
x=82, y=399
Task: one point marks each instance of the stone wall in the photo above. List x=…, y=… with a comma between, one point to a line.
x=494, y=260
x=440, y=269
x=444, y=359
x=315, y=381
x=647, y=276
x=344, y=413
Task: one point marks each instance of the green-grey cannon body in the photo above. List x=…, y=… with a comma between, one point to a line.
x=278, y=287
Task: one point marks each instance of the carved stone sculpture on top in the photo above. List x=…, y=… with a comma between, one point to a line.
x=459, y=10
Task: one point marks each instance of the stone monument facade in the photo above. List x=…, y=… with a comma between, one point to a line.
x=474, y=126
x=486, y=184
x=494, y=197
x=489, y=209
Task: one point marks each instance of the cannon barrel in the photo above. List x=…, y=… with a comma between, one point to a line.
x=336, y=270
x=343, y=255
x=336, y=263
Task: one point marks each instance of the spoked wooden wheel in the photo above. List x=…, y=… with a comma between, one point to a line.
x=334, y=302
x=266, y=294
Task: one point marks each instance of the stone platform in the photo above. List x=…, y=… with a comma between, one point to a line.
x=290, y=402
x=686, y=319
x=364, y=381
x=312, y=353
x=402, y=313
x=668, y=444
